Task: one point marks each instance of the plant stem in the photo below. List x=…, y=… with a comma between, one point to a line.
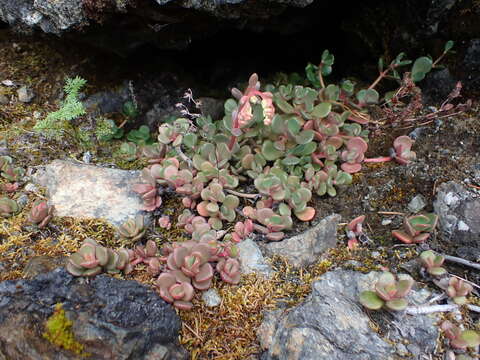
x=380, y=77
x=243, y=195
x=378, y=160
x=462, y=261
x=418, y=310
x=320, y=76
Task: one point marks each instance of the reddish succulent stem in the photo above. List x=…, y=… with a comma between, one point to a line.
x=378, y=160
x=235, y=125
x=381, y=76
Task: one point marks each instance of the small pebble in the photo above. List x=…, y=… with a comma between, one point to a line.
x=25, y=94
x=211, y=298
x=30, y=187
x=386, y=222
x=417, y=204
x=4, y=100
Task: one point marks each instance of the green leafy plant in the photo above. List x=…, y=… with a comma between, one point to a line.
x=59, y=123
x=141, y=136
x=389, y=293
x=107, y=130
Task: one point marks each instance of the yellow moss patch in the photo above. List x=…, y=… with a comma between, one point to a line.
x=58, y=330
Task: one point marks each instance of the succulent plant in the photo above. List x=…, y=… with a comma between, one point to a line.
x=458, y=289
x=176, y=291
x=272, y=223
x=417, y=228
x=229, y=270
x=91, y=259
x=11, y=173
x=133, y=229
x=389, y=292
x=242, y=230
x=217, y=206
x=433, y=263
x=164, y=222
x=141, y=136
x=155, y=153
x=354, y=155
x=460, y=339
x=402, y=150
x=148, y=191
x=41, y=213
x=8, y=207
x=191, y=258
x=10, y=187
x=354, y=230
x=128, y=151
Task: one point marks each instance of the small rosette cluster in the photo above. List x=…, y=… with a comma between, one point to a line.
x=389, y=293
x=416, y=228
x=92, y=259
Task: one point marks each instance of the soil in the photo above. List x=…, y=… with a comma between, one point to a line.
x=447, y=150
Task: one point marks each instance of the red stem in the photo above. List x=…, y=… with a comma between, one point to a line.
x=378, y=160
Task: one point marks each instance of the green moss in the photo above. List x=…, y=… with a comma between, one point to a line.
x=59, y=332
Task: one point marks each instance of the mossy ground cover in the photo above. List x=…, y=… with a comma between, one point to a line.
x=226, y=331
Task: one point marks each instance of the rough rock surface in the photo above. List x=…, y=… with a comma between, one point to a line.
x=64, y=15
x=458, y=210
x=86, y=191
x=109, y=316
x=332, y=325
x=305, y=248
x=252, y=260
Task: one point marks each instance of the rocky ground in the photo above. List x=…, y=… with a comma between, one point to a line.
x=298, y=298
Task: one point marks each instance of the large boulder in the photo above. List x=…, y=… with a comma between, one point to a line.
x=332, y=325
x=87, y=191
x=112, y=318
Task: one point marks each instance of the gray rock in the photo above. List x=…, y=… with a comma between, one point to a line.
x=332, y=325
x=211, y=298
x=25, y=94
x=417, y=204
x=471, y=65
x=457, y=208
x=252, y=260
x=112, y=318
x=87, y=191
x=42, y=264
x=306, y=248
x=4, y=100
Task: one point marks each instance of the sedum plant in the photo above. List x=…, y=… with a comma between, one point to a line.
x=433, y=262
x=133, y=229
x=458, y=290
x=389, y=293
x=460, y=339
x=8, y=207
x=354, y=230
x=92, y=259
x=41, y=213
x=416, y=228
